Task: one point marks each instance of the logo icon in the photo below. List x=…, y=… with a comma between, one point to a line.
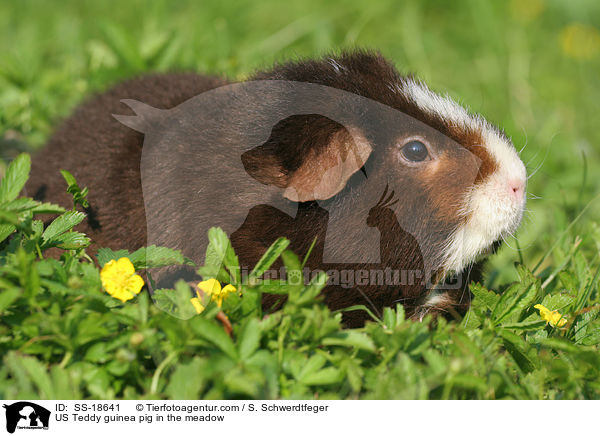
x=26, y=415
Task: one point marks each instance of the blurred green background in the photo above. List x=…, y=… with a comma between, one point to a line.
x=531, y=67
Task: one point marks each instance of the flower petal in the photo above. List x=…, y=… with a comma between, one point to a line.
x=135, y=284
x=228, y=289
x=553, y=317
x=122, y=295
x=197, y=305
x=210, y=286
x=125, y=266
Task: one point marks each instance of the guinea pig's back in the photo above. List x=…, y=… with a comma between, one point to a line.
x=104, y=155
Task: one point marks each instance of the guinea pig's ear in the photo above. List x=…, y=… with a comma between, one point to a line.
x=313, y=167
x=324, y=172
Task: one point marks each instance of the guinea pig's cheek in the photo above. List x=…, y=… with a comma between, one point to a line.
x=432, y=169
x=445, y=180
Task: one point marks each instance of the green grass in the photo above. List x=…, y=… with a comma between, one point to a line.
x=514, y=63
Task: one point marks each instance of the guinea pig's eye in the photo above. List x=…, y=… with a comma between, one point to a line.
x=415, y=151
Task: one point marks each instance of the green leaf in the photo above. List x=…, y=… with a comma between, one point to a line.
x=249, y=339
x=15, y=178
x=561, y=302
x=325, y=376
x=175, y=302
x=61, y=225
x=62, y=381
x=71, y=241
x=267, y=259
x=587, y=328
x=8, y=297
x=214, y=333
x=294, y=277
x=467, y=381
x=69, y=178
x=188, y=380
x=586, y=292
x=47, y=208
x=517, y=299
x=6, y=230
x=313, y=289
x=36, y=372
x=270, y=321
x=238, y=383
x=279, y=287
x=393, y=318
x=99, y=352
x=20, y=204
x=156, y=257
x=105, y=255
x=355, y=375
x=314, y=363
x=350, y=338
x=79, y=195
x=10, y=218
x=518, y=349
x=484, y=297
x=527, y=325
x=561, y=344
x=220, y=263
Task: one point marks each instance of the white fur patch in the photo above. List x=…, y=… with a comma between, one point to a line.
x=433, y=301
x=444, y=107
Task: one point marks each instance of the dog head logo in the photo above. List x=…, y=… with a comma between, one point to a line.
x=26, y=415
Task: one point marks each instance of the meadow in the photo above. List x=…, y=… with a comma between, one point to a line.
x=530, y=67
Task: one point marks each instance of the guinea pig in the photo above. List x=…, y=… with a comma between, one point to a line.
x=395, y=187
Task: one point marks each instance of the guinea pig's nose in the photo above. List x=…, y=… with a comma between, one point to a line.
x=517, y=188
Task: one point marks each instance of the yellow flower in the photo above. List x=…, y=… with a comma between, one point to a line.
x=197, y=305
x=580, y=41
x=213, y=288
x=119, y=279
x=551, y=316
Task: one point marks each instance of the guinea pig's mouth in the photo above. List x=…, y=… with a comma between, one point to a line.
x=493, y=211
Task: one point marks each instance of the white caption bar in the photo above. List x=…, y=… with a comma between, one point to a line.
x=292, y=417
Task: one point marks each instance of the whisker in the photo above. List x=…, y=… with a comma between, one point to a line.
x=543, y=161
x=532, y=158
x=536, y=170
x=525, y=132
x=521, y=249
x=506, y=242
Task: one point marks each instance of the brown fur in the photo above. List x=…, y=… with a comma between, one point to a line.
x=104, y=155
